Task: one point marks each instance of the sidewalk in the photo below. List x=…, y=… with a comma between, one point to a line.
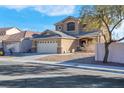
x=114, y=69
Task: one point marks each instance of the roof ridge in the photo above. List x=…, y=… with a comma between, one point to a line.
x=63, y=33
x=77, y=18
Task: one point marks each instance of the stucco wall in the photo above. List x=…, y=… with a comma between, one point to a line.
x=26, y=44
x=116, y=52
x=14, y=46
x=0, y=44
x=22, y=46
x=68, y=45
x=64, y=25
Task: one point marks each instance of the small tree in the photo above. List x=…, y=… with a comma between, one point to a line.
x=105, y=17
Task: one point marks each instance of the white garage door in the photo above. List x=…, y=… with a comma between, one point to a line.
x=47, y=47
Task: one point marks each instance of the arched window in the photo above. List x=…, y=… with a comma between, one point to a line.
x=70, y=26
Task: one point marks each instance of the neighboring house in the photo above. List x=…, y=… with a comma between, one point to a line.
x=14, y=40
x=19, y=42
x=69, y=36
x=6, y=32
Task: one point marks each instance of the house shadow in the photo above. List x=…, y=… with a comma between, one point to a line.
x=86, y=60
x=91, y=60
x=18, y=70
x=78, y=81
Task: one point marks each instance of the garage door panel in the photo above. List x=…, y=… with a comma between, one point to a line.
x=47, y=47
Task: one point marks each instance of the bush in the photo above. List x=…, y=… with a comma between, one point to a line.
x=1, y=53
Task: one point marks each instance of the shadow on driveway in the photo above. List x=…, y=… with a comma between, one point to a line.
x=79, y=81
x=91, y=60
x=81, y=60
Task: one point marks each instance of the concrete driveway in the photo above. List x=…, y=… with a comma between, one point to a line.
x=24, y=57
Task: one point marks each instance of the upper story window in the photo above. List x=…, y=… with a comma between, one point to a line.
x=59, y=28
x=70, y=26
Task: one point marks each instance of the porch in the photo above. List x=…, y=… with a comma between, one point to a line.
x=87, y=44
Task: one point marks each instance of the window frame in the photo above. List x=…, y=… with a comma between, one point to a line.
x=70, y=26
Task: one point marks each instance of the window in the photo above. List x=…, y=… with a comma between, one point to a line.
x=59, y=27
x=70, y=26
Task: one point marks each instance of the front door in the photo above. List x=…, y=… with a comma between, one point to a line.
x=82, y=43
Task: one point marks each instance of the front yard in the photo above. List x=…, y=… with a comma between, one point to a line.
x=66, y=57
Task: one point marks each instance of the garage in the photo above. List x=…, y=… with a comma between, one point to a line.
x=53, y=42
x=47, y=47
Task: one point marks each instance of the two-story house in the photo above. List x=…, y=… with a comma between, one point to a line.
x=68, y=36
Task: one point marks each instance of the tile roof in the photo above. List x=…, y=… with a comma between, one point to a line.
x=3, y=37
x=6, y=28
x=19, y=36
x=56, y=34
x=88, y=34
x=31, y=33
x=16, y=37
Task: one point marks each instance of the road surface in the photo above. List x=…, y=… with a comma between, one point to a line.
x=30, y=75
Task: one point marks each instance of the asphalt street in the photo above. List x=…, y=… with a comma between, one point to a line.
x=31, y=75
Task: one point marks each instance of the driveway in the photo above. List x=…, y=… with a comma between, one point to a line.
x=24, y=57
x=29, y=75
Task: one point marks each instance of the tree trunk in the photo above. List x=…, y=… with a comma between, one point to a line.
x=105, y=60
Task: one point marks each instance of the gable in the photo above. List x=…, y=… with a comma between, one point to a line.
x=54, y=34
x=48, y=33
x=12, y=31
x=3, y=30
x=70, y=18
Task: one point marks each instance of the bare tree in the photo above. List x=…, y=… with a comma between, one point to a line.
x=105, y=17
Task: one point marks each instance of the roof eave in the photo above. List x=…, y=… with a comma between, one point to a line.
x=53, y=38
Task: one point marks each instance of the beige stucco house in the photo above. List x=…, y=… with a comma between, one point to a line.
x=14, y=40
x=5, y=32
x=68, y=36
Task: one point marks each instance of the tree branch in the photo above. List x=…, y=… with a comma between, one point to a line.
x=105, y=24
x=119, y=39
x=107, y=29
x=116, y=24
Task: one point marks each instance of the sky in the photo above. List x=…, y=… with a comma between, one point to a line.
x=35, y=18
x=39, y=18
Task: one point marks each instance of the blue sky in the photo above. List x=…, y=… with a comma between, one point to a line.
x=36, y=18
x=40, y=18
